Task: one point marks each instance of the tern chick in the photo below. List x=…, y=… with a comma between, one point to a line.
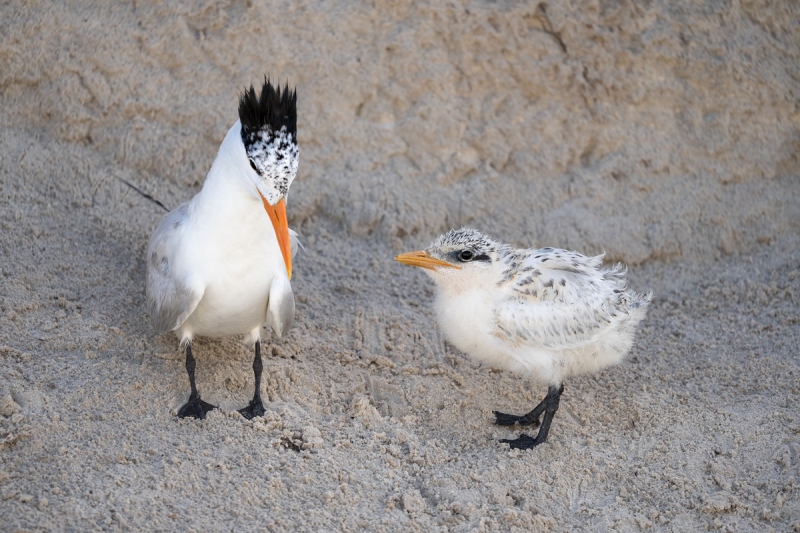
x=220, y=264
x=548, y=314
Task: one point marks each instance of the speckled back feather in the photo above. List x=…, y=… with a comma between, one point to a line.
x=562, y=299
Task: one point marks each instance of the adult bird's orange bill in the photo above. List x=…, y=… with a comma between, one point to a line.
x=277, y=215
x=547, y=314
x=220, y=264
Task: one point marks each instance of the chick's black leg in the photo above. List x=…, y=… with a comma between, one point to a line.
x=550, y=402
x=256, y=406
x=195, y=407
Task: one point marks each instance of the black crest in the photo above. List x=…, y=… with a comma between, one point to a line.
x=270, y=112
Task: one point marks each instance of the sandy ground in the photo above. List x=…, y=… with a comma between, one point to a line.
x=665, y=133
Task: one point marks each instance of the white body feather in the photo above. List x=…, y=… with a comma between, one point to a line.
x=214, y=266
x=549, y=314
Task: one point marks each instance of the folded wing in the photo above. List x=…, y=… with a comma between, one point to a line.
x=171, y=297
x=558, y=299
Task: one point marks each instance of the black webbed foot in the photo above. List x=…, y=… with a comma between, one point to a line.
x=195, y=408
x=254, y=409
x=548, y=407
x=523, y=442
x=504, y=419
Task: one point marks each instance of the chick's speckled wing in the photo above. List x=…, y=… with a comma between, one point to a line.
x=557, y=299
x=171, y=298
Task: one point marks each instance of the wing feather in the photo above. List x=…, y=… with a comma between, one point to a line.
x=280, y=309
x=559, y=299
x=171, y=298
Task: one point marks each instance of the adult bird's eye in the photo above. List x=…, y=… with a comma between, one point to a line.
x=466, y=255
x=253, y=165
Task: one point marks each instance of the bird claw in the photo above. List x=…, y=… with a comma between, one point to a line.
x=254, y=409
x=503, y=419
x=523, y=442
x=195, y=408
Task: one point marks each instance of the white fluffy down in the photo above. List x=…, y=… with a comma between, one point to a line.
x=549, y=314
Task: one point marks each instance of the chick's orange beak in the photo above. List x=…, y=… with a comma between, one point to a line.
x=277, y=214
x=422, y=259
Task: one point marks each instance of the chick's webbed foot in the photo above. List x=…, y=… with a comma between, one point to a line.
x=504, y=419
x=546, y=407
x=523, y=442
x=528, y=419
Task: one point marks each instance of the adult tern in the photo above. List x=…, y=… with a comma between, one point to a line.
x=220, y=264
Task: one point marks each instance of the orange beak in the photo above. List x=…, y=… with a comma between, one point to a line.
x=422, y=259
x=277, y=214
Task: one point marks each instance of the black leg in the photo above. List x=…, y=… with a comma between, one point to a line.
x=549, y=405
x=256, y=406
x=195, y=407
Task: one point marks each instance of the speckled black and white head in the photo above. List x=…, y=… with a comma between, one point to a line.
x=269, y=134
x=457, y=253
x=459, y=247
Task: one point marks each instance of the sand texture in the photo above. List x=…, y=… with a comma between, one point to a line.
x=665, y=133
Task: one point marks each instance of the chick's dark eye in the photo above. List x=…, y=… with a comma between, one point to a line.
x=466, y=255
x=253, y=166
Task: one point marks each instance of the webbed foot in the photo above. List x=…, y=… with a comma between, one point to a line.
x=254, y=409
x=523, y=442
x=546, y=407
x=195, y=408
x=503, y=419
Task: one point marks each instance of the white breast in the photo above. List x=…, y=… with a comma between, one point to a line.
x=232, y=247
x=467, y=321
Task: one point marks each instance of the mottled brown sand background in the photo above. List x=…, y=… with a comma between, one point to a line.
x=666, y=133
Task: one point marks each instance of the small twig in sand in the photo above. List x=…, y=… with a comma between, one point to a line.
x=137, y=189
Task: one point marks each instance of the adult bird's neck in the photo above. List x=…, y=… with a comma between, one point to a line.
x=227, y=185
